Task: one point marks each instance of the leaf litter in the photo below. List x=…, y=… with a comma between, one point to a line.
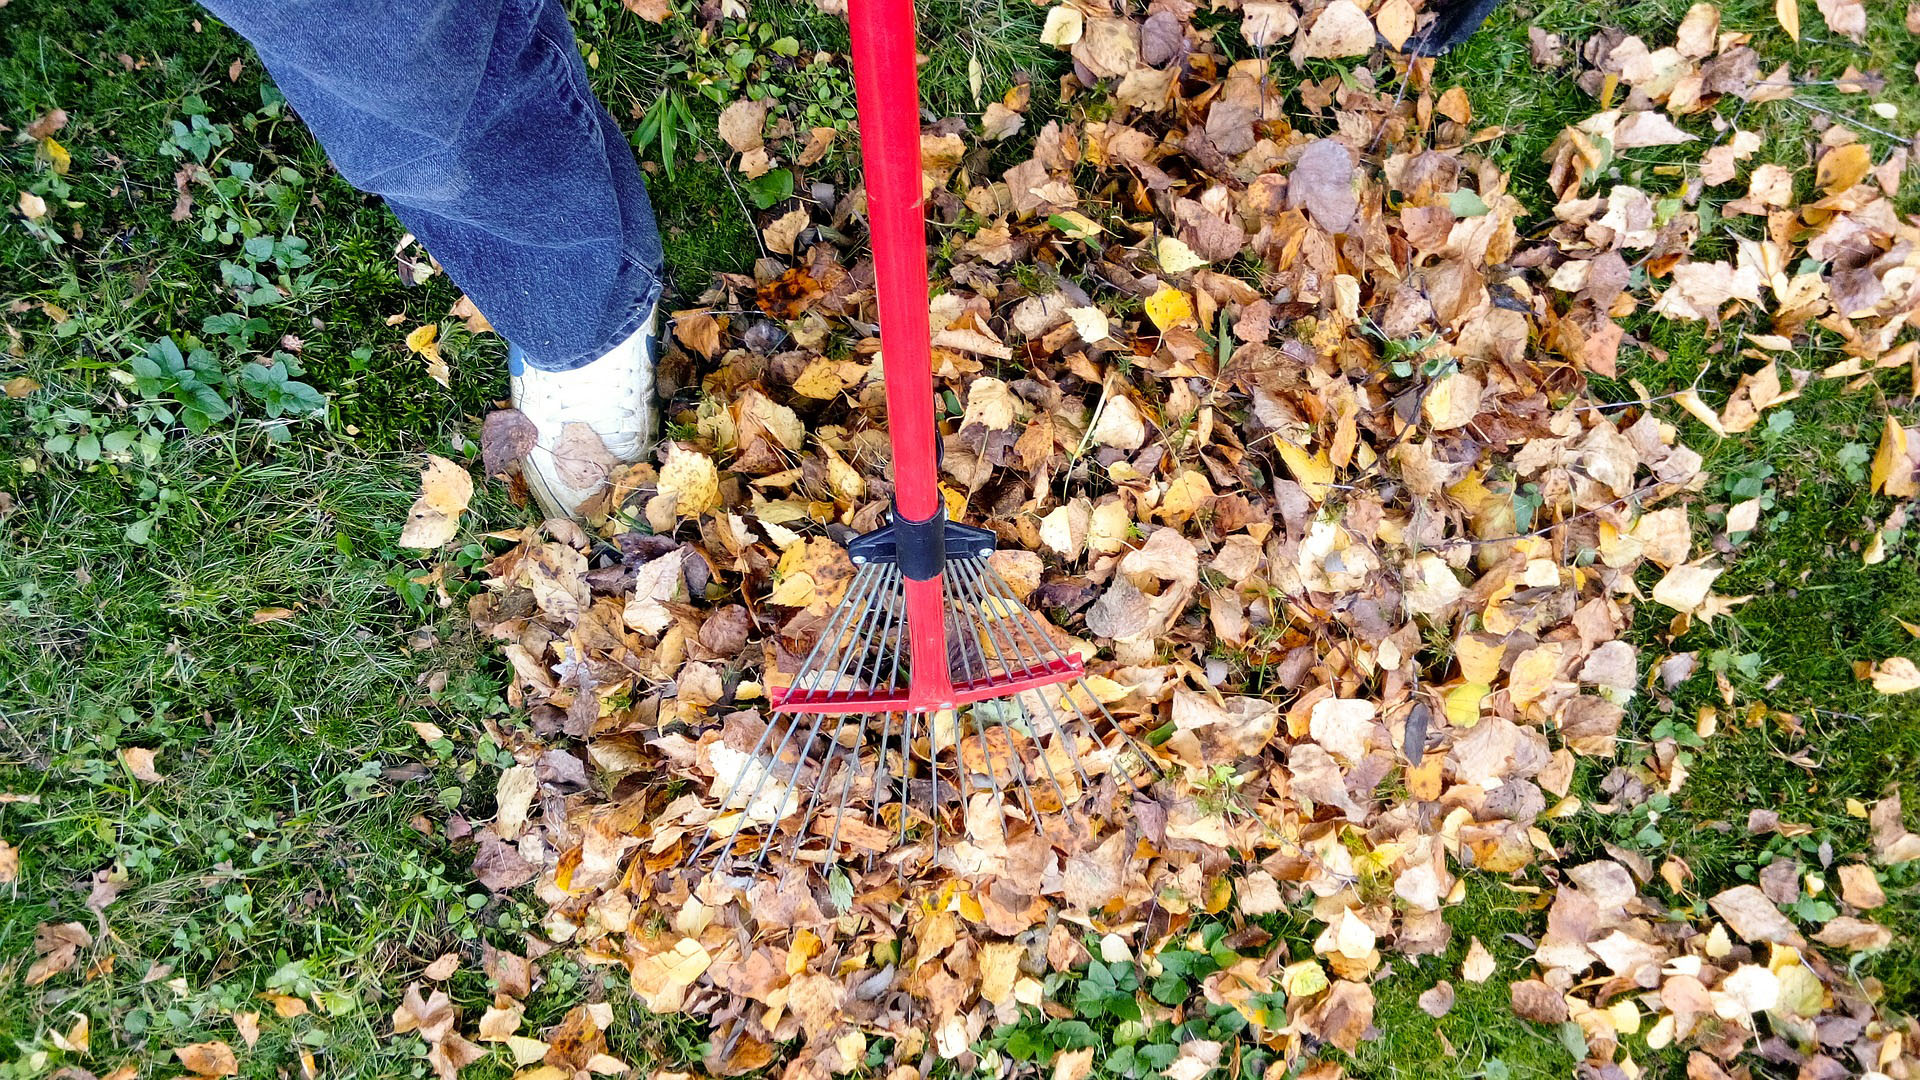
x=1277, y=401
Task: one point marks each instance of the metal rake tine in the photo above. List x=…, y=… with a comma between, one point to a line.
x=906, y=771
x=871, y=648
x=793, y=779
x=859, y=644
x=882, y=778
x=1069, y=696
x=906, y=740
x=866, y=584
x=1113, y=722
x=956, y=599
x=887, y=623
x=778, y=753
x=819, y=784
x=846, y=788
x=863, y=582
x=1019, y=760
x=864, y=610
x=1140, y=751
x=933, y=760
x=1073, y=752
x=1018, y=700
x=976, y=572
x=733, y=789
x=1064, y=736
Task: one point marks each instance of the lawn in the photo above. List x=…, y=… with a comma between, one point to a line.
x=220, y=583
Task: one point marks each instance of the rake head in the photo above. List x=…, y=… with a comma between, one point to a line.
x=882, y=741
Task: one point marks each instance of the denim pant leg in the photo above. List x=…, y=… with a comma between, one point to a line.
x=475, y=121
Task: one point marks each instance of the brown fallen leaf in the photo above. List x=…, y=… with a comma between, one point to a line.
x=56, y=947
x=139, y=761
x=1860, y=886
x=1536, y=1001
x=1854, y=935
x=47, y=125
x=1896, y=675
x=1751, y=915
x=742, y=124
x=208, y=1059
x=442, y=968
x=506, y=436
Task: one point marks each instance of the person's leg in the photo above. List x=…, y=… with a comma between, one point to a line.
x=475, y=121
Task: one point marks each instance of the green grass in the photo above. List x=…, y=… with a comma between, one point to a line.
x=280, y=851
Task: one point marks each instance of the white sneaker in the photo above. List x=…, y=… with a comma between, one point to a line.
x=612, y=397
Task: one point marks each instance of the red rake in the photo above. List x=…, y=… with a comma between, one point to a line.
x=931, y=650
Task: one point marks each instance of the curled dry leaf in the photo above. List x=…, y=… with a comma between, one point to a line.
x=139, y=761
x=445, y=491
x=208, y=1059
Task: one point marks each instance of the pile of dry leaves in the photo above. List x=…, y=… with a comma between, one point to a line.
x=1290, y=411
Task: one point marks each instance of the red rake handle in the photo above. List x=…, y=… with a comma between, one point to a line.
x=889, y=97
x=888, y=89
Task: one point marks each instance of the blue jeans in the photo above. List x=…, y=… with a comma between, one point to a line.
x=474, y=120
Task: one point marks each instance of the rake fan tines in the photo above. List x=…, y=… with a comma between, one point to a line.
x=1020, y=736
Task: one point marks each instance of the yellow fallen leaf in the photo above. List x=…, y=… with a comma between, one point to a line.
x=1788, y=12
x=1091, y=323
x=525, y=1051
x=1463, y=703
x=1690, y=401
x=1396, y=21
x=1452, y=401
x=1184, y=497
x=692, y=478
x=445, y=491
x=1478, y=964
x=423, y=340
x=845, y=480
x=499, y=1024
x=999, y=967
x=1064, y=26
x=1479, y=661
x=57, y=157
x=1169, y=307
x=1893, y=472
x=75, y=1040
x=824, y=377
x=1313, y=472
x=1684, y=588
x=1175, y=256
x=1303, y=979
x=1842, y=167
x=285, y=1006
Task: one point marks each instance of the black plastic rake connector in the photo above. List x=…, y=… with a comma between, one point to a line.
x=921, y=549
